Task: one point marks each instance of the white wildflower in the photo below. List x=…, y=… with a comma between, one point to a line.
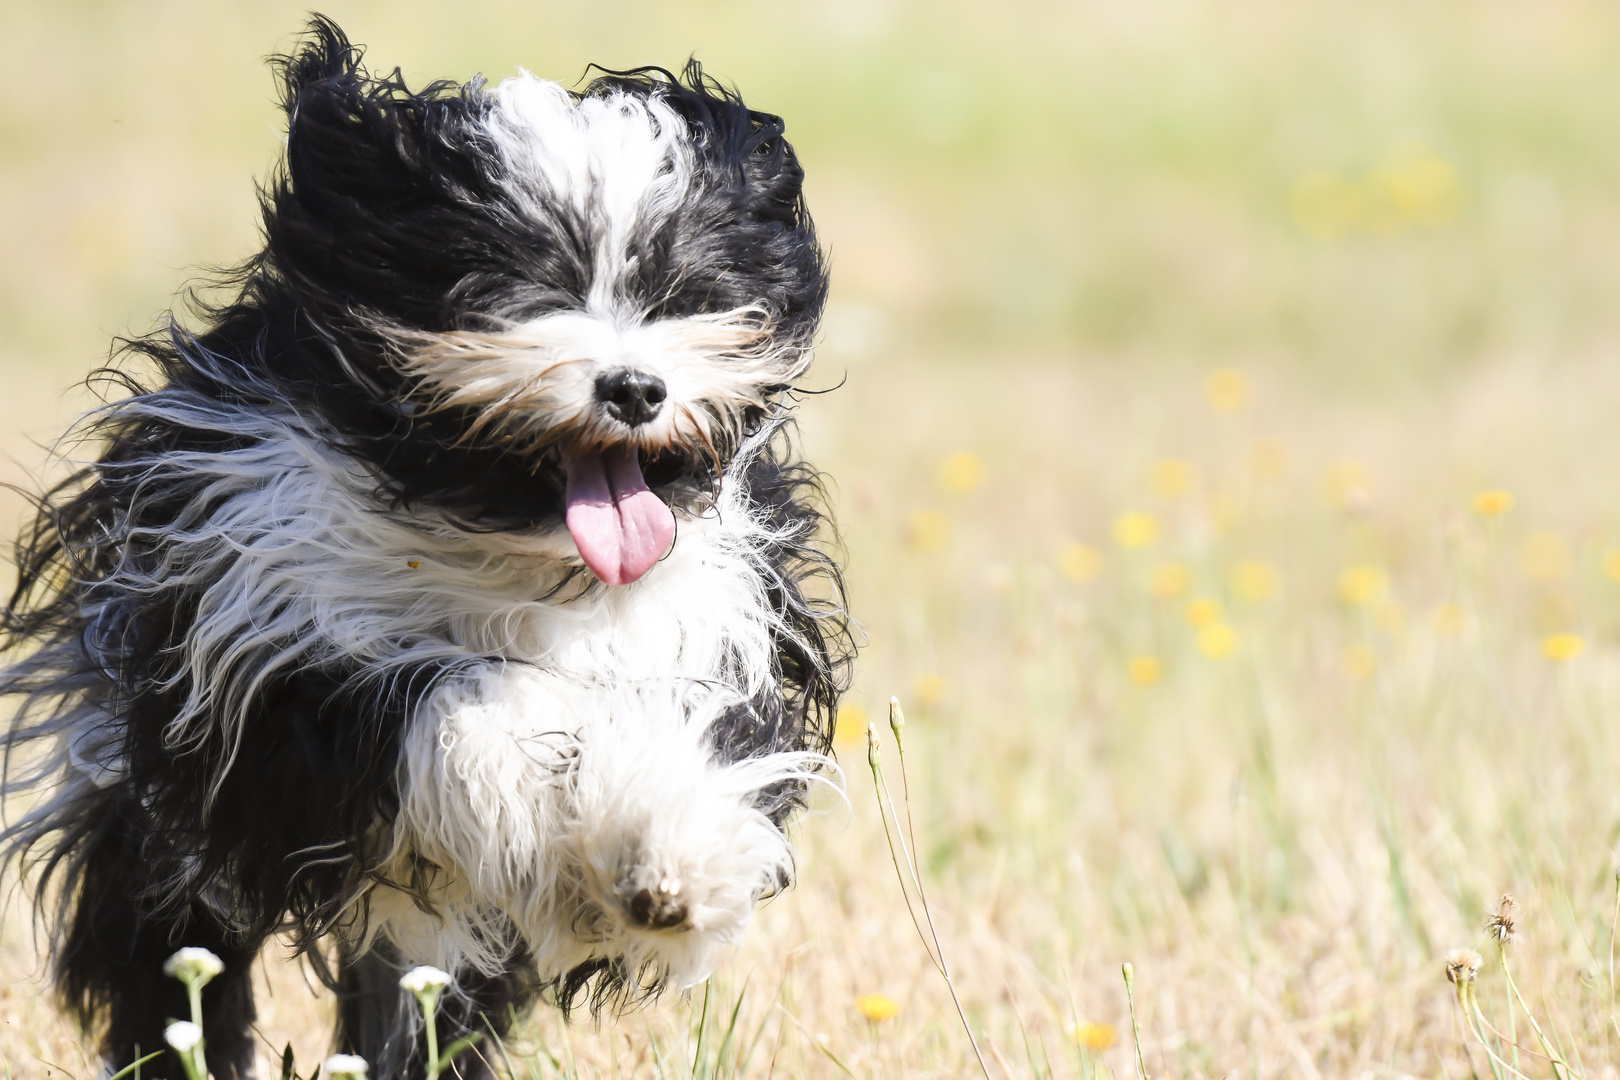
x=425, y=981
x=183, y=1035
x=193, y=966
x=344, y=1067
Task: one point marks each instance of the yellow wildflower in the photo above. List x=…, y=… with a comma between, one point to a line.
x=1449, y=620
x=1091, y=1035
x=1544, y=557
x=1202, y=612
x=1170, y=580
x=1136, y=530
x=1420, y=186
x=1360, y=662
x=1417, y=188
x=1362, y=586
x=962, y=472
x=1170, y=478
x=1079, y=563
x=1561, y=647
x=930, y=690
x=1228, y=390
x=1144, y=670
x=1217, y=641
x=1493, y=503
x=1268, y=459
x=877, y=1008
x=927, y=530
x=1253, y=580
x=851, y=727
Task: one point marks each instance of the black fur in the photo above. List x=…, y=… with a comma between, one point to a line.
x=386, y=213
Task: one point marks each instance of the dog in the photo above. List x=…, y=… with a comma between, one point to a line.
x=453, y=593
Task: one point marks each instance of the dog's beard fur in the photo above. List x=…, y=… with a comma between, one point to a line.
x=311, y=642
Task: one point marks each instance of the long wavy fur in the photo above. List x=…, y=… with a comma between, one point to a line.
x=199, y=745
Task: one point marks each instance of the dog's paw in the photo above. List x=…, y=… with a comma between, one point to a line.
x=596, y=825
x=676, y=853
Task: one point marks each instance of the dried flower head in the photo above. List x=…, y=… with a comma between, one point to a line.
x=1462, y=965
x=193, y=966
x=183, y=1035
x=344, y=1067
x=1501, y=925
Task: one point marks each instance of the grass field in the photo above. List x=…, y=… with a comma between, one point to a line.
x=1226, y=467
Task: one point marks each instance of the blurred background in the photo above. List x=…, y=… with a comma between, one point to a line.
x=1225, y=459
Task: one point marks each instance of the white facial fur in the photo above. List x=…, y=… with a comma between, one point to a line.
x=535, y=383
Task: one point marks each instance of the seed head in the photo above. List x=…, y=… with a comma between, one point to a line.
x=1501, y=925
x=193, y=966
x=344, y=1067
x=873, y=757
x=1462, y=965
x=183, y=1035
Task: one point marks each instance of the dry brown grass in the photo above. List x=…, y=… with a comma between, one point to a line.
x=1284, y=838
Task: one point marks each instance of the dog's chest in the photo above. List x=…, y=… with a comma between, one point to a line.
x=700, y=614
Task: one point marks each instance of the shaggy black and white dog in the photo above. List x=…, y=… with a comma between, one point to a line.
x=452, y=595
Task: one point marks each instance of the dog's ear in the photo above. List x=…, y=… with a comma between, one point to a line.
x=372, y=206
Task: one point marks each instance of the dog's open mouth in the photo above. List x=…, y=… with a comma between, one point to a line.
x=620, y=527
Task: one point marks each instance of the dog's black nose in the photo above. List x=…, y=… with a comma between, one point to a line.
x=658, y=909
x=631, y=397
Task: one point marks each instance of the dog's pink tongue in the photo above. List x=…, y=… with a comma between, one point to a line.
x=619, y=526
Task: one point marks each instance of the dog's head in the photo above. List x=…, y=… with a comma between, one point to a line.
x=535, y=308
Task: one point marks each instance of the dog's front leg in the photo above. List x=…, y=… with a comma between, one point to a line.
x=596, y=817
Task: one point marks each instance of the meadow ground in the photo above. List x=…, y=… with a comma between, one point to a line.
x=1226, y=472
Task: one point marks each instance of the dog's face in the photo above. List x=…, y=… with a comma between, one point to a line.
x=549, y=311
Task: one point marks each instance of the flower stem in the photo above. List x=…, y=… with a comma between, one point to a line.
x=430, y=1006
x=1614, y=924
x=1476, y=1024
x=1561, y=1068
x=936, y=954
x=1136, y=1028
